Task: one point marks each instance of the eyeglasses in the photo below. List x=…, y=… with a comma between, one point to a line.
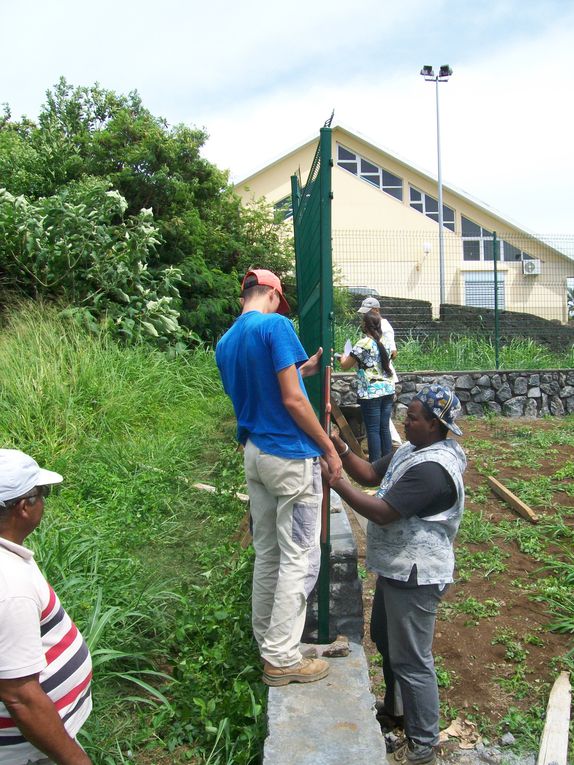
x=41, y=491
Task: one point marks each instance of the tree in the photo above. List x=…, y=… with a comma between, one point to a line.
x=203, y=230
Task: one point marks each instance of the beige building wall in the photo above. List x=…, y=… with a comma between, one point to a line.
x=383, y=243
x=274, y=181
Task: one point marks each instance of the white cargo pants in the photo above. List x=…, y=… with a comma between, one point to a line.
x=285, y=501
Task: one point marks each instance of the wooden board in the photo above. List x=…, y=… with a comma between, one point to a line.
x=244, y=531
x=517, y=504
x=212, y=490
x=554, y=741
x=345, y=429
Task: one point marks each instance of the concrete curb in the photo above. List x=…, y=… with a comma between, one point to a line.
x=330, y=722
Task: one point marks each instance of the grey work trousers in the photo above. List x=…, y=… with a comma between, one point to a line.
x=402, y=627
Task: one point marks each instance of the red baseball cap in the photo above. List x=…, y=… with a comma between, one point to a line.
x=265, y=278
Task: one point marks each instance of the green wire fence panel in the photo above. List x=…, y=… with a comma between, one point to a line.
x=313, y=259
x=312, y=230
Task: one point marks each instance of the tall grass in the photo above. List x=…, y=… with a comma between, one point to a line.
x=140, y=560
x=464, y=353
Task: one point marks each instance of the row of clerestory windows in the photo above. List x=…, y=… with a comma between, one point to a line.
x=477, y=242
x=392, y=184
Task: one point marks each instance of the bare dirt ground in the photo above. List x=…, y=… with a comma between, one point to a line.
x=465, y=644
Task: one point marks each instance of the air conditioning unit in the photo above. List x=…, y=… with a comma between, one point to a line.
x=531, y=267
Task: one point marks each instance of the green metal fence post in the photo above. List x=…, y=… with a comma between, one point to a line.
x=326, y=277
x=313, y=258
x=495, y=247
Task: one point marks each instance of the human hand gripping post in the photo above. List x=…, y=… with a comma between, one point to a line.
x=335, y=466
x=313, y=364
x=327, y=427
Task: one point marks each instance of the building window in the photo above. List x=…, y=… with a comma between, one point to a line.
x=478, y=244
x=284, y=208
x=428, y=206
x=479, y=290
x=512, y=254
x=369, y=172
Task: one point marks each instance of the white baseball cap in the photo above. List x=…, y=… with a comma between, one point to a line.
x=368, y=304
x=19, y=473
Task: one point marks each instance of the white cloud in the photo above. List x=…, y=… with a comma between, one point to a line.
x=506, y=122
x=263, y=77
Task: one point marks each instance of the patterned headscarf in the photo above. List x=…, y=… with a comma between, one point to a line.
x=441, y=402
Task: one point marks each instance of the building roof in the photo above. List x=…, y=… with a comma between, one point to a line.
x=424, y=173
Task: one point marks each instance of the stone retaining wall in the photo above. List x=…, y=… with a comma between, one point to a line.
x=346, y=592
x=510, y=393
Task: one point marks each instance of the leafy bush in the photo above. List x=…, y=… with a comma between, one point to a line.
x=77, y=246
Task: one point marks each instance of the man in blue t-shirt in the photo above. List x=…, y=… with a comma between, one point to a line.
x=262, y=363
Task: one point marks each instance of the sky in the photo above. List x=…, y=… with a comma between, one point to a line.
x=261, y=78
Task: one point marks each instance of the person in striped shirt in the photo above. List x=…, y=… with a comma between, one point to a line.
x=45, y=665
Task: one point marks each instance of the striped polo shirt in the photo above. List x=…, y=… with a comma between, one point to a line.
x=38, y=637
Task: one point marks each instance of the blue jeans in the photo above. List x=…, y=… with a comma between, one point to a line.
x=376, y=416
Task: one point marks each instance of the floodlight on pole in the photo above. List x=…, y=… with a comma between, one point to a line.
x=443, y=74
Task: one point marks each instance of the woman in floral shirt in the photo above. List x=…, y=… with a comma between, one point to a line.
x=375, y=385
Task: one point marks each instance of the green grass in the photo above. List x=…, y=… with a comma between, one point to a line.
x=514, y=650
x=550, y=542
x=485, y=562
x=475, y=528
x=462, y=352
x=470, y=606
x=445, y=679
x=145, y=564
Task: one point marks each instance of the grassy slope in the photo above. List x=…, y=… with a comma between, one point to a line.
x=127, y=542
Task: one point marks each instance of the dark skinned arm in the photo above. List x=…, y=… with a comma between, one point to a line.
x=359, y=469
x=370, y=507
x=37, y=718
x=373, y=508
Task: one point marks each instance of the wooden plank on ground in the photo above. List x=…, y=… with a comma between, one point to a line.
x=554, y=741
x=345, y=429
x=212, y=490
x=244, y=531
x=517, y=504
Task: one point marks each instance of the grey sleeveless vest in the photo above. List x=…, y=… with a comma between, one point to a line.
x=393, y=549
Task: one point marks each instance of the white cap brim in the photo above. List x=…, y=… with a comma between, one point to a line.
x=48, y=478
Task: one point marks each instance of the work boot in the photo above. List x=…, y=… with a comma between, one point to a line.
x=305, y=671
x=417, y=754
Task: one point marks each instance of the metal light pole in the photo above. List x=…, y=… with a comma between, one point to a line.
x=444, y=73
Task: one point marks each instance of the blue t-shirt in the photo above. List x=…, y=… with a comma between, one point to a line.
x=249, y=356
